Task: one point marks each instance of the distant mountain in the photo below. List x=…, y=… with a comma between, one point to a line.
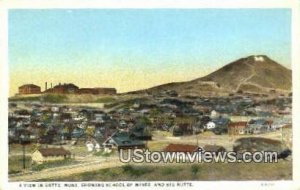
x=256, y=73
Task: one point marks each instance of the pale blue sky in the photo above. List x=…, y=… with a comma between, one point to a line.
x=150, y=40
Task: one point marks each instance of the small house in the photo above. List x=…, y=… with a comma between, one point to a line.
x=237, y=128
x=50, y=154
x=122, y=140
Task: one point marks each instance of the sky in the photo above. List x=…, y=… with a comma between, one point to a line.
x=132, y=49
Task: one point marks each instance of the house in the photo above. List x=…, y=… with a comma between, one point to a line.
x=141, y=135
x=50, y=154
x=92, y=145
x=140, y=132
x=237, y=128
x=210, y=125
x=182, y=129
x=29, y=89
x=23, y=113
x=122, y=140
x=214, y=114
x=221, y=125
x=181, y=148
x=221, y=122
x=256, y=126
x=77, y=132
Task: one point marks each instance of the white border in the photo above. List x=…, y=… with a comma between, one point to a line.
x=3, y=95
x=149, y=3
x=94, y=4
x=296, y=90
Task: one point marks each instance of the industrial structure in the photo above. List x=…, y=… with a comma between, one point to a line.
x=66, y=88
x=29, y=89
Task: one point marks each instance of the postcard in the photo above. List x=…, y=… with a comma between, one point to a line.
x=147, y=97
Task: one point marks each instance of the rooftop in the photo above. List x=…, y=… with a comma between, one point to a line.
x=181, y=148
x=54, y=151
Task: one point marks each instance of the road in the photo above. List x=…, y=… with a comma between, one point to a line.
x=102, y=163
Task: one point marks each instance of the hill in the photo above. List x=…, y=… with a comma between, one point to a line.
x=256, y=74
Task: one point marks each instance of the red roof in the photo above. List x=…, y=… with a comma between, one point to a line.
x=181, y=148
x=238, y=124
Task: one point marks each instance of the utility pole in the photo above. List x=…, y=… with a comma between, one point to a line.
x=23, y=156
x=24, y=140
x=281, y=134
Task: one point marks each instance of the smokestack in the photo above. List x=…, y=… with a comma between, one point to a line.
x=45, y=86
x=51, y=84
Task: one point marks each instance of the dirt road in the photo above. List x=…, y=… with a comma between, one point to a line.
x=67, y=170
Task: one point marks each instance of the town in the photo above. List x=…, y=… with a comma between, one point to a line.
x=60, y=134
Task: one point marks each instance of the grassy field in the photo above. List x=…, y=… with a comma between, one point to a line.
x=52, y=164
x=15, y=163
x=50, y=98
x=180, y=172
x=74, y=98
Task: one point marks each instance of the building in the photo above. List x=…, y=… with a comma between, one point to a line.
x=237, y=128
x=221, y=125
x=257, y=126
x=122, y=140
x=182, y=151
x=66, y=88
x=50, y=154
x=29, y=89
x=182, y=129
x=63, y=89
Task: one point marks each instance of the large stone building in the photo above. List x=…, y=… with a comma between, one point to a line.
x=66, y=88
x=63, y=89
x=29, y=89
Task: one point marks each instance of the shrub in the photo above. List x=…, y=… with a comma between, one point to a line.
x=195, y=169
x=136, y=171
